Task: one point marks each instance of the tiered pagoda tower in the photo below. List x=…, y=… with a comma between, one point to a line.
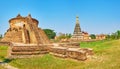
x=77, y=35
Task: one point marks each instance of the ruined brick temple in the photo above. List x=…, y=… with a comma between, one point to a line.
x=25, y=30
x=27, y=40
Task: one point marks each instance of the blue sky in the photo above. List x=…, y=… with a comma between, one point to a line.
x=96, y=16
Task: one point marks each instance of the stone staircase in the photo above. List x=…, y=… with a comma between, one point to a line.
x=35, y=30
x=26, y=35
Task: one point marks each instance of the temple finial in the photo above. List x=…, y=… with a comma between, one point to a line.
x=77, y=19
x=77, y=16
x=29, y=15
x=19, y=15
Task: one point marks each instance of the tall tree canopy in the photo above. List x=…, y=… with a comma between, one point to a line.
x=50, y=33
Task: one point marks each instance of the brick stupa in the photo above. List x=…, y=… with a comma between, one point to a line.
x=25, y=30
x=77, y=35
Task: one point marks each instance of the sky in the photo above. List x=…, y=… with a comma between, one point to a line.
x=95, y=16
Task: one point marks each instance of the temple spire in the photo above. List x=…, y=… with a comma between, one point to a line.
x=77, y=19
x=77, y=30
x=77, y=26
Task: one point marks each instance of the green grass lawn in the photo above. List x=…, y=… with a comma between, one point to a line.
x=99, y=47
x=107, y=56
x=3, y=52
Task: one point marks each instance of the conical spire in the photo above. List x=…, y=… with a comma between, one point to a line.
x=77, y=29
x=77, y=35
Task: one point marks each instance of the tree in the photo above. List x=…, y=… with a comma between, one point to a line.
x=118, y=34
x=50, y=33
x=0, y=35
x=115, y=35
x=68, y=35
x=93, y=36
x=108, y=36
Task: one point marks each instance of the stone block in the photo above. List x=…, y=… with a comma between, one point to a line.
x=75, y=53
x=58, y=51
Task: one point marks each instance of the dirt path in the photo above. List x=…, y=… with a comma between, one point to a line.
x=7, y=66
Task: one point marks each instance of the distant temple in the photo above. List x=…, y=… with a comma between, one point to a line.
x=25, y=30
x=78, y=34
x=101, y=37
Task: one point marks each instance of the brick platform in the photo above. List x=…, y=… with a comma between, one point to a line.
x=27, y=50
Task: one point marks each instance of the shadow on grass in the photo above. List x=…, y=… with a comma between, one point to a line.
x=6, y=60
x=1, y=57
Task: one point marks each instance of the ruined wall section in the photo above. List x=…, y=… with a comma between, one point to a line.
x=30, y=31
x=37, y=35
x=13, y=36
x=25, y=30
x=14, y=33
x=43, y=36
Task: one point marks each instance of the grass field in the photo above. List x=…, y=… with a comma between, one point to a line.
x=107, y=56
x=99, y=47
x=3, y=52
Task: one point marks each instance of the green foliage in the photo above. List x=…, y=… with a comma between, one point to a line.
x=93, y=36
x=68, y=35
x=50, y=33
x=107, y=36
x=0, y=35
x=115, y=35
